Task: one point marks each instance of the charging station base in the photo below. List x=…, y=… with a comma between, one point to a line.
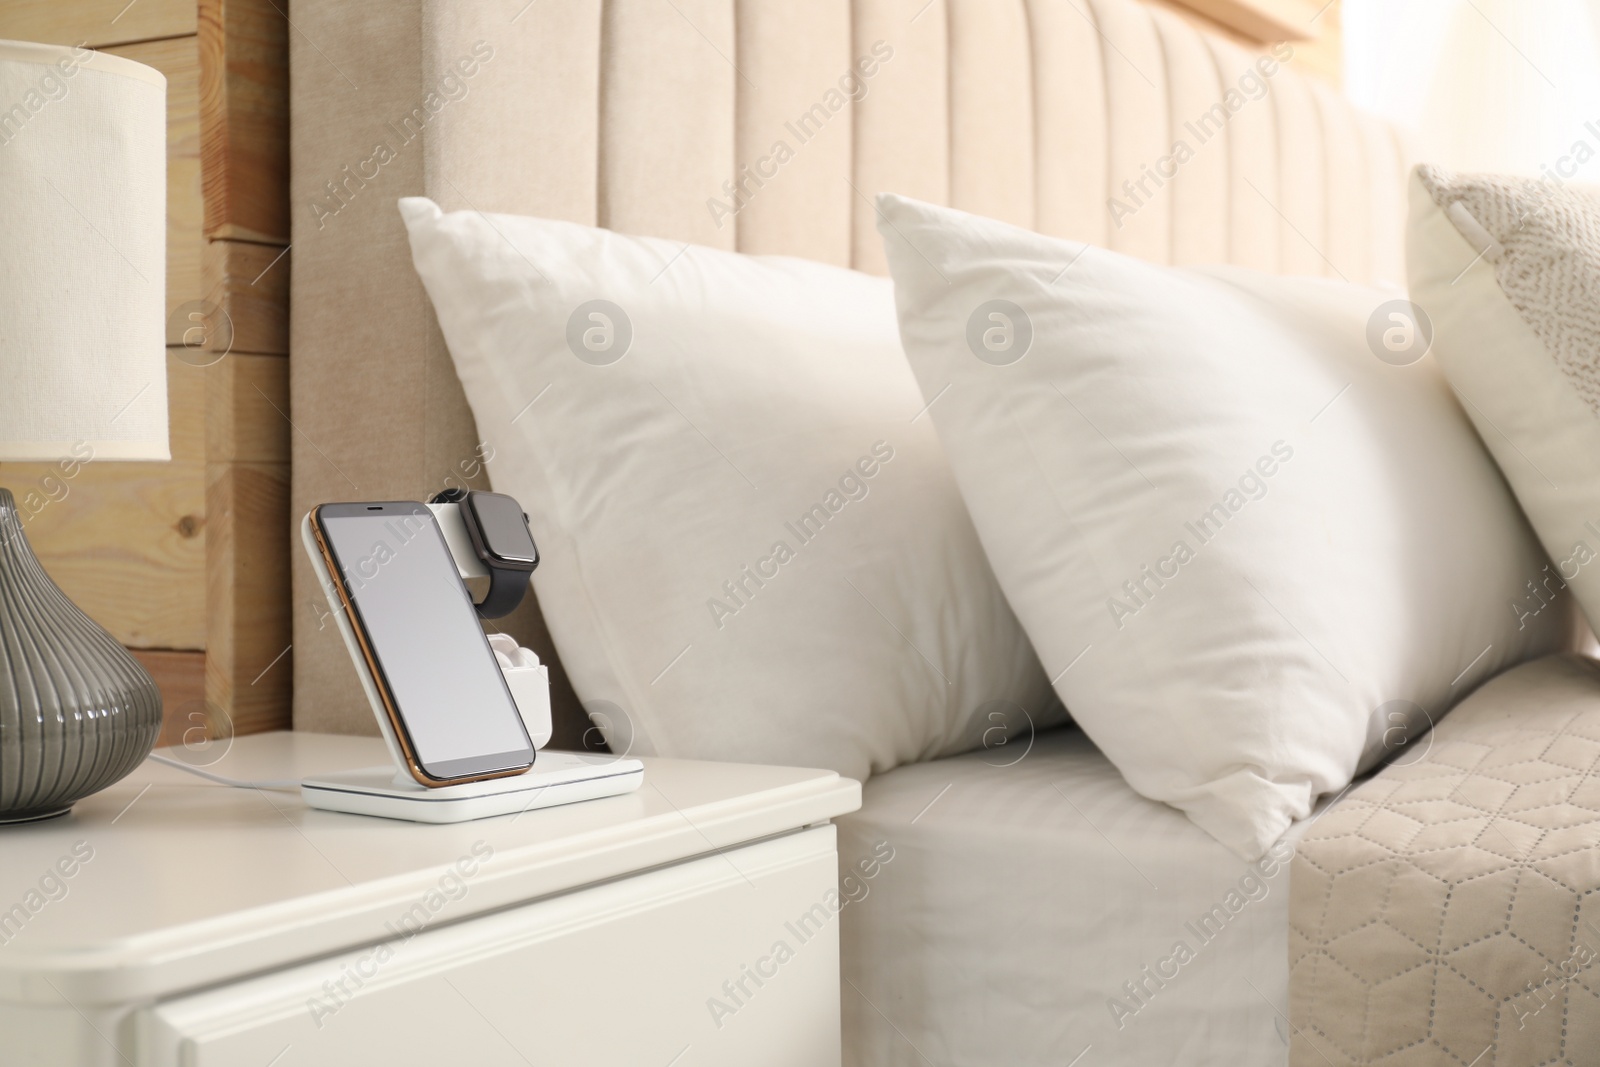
x=556, y=778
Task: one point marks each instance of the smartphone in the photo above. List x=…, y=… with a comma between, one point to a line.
x=418, y=631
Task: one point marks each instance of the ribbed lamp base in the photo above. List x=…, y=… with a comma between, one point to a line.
x=77, y=712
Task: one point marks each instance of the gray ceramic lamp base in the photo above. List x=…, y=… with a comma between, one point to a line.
x=77, y=712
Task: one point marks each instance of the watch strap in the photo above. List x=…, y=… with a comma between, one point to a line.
x=506, y=590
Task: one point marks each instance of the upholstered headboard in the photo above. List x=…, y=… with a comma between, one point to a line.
x=1100, y=120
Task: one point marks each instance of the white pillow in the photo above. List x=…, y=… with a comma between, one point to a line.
x=1507, y=271
x=1240, y=542
x=752, y=545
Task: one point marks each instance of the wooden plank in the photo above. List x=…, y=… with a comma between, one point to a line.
x=140, y=609
x=97, y=23
x=185, y=238
x=1324, y=57
x=125, y=542
x=1321, y=57
x=244, y=115
x=248, y=669
x=246, y=410
x=244, y=123
x=1263, y=20
x=249, y=282
x=181, y=677
x=186, y=407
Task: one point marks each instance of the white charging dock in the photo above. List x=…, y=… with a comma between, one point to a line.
x=392, y=793
x=556, y=778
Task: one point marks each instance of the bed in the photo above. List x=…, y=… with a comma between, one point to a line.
x=1033, y=904
x=1032, y=911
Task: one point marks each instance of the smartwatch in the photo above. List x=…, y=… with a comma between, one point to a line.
x=499, y=532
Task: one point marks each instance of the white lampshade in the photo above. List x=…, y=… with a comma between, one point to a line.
x=83, y=175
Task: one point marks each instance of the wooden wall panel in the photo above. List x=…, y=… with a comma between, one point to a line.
x=97, y=23
x=249, y=283
x=248, y=668
x=248, y=671
x=181, y=677
x=186, y=408
x=245, y=110
x=1323, y=56
x=187, y=562
x=247, y=408
x=125, y=542
x=1311, y=26
x=1262, y=20
x=244, y=121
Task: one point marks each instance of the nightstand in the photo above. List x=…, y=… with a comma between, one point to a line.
x=170, y=921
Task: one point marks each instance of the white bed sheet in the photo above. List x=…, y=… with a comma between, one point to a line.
x=1002, y=902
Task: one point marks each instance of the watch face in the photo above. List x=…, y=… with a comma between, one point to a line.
x=505, y=532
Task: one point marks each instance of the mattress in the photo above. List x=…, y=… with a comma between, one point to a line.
x=1022, y=905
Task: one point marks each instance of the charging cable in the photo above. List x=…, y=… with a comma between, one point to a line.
x=237, y=783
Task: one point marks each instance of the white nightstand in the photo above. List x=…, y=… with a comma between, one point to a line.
x=689, y=923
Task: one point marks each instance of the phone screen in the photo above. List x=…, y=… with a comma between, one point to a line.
x=424, y=634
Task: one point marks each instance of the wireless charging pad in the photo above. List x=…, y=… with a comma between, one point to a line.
x=556, y=778
x=390, y=792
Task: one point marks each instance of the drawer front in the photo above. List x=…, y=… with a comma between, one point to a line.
x=732, y=959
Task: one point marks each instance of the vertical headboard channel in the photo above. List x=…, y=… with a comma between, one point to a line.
x=761, y=128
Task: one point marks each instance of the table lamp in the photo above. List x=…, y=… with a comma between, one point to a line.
x=82, y=381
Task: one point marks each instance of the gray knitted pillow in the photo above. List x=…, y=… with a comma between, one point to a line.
x=1508, y=272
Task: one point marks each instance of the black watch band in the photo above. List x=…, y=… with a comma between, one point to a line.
x=500, y=537
x=506, y=590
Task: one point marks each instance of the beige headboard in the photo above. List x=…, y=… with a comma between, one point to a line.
x=632, y=114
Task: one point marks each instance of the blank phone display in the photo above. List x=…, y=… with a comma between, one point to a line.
x=424, y=634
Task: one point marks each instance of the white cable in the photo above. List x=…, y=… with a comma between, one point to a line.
x=237, y=783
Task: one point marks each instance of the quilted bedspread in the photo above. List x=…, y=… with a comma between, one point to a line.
x=1446, y=911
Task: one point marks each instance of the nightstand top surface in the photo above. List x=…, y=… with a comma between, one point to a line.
x=189, y=883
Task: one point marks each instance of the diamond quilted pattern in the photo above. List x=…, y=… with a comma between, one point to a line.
x=1448, y=911
x=1370, y=886
x=1498, y=965
x=1530, y=1030
x=1587, y=795
x=1401, y=1018
x=1466, y=861
x=1509, y=837
x=1452, y=832
x=1583, y=1017
x=1377, y=952
x=1547, y=794
x=1517, y=757
x=1562, y=816
x=1574, y=751
x=1430, y=784
x=1462, y=756
x=1467, y=912
x=1416, y=903
x=1391, y=828
x=1434, y=811
x=1571, y=857
x=1544, y=915
x=1478, y=1025
x=1340, y=1027
x=1342, y=820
